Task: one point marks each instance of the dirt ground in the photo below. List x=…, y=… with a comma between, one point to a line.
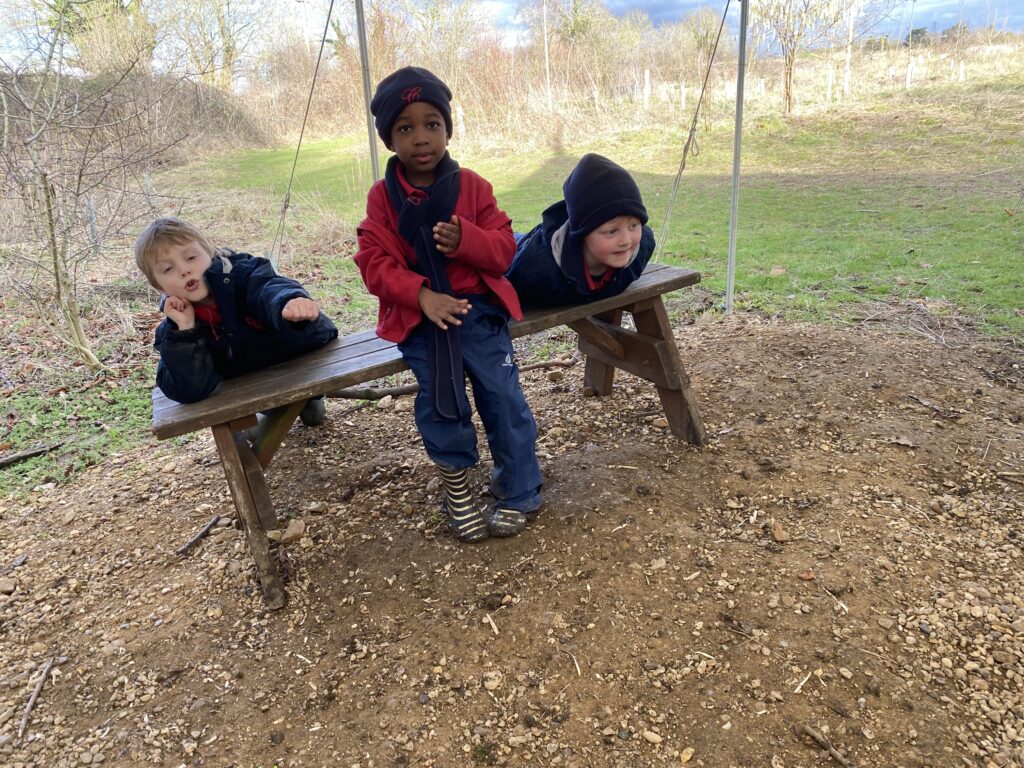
x=838, y=567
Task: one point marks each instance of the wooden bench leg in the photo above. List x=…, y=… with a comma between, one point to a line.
x=248, y=514
x=279, y=422
x=598, y=375
x=680, y=406
x=257, y=484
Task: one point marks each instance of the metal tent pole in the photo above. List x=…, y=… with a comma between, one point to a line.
x=364, y=60
x=734, y=205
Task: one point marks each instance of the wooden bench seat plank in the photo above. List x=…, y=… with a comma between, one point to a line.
x=363, y=357
x=338, y=351
x=233, y=401
x=658, y=279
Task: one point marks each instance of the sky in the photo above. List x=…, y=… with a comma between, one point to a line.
x=937, y=14
x=934, y=15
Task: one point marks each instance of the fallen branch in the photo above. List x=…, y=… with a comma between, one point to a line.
x=34, y=696
x=371, y=393
x=825, y=744
x=14, y=458
x=549, y=364
x=187, y=546
x=356, y=407
x=929, y=404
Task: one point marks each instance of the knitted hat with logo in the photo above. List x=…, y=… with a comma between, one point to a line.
x=400, y=89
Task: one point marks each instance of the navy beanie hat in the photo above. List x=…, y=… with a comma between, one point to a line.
x=400, y=89
x=597, y=191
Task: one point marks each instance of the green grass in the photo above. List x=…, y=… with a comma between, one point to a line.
x=906, y=197
x=902, y=198
x=88, y=418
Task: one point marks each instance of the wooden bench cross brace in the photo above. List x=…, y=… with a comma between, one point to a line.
x=649, y=352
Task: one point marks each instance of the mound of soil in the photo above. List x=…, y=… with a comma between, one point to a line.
x=834, y=579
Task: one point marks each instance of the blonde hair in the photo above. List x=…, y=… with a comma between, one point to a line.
x=161, y=233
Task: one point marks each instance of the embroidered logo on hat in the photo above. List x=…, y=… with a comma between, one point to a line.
x=409, y=95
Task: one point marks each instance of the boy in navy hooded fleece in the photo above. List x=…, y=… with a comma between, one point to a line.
x=590, y=245
x=433, y=248
x=226, y=313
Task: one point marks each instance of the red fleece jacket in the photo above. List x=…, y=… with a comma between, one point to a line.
x=386, y=259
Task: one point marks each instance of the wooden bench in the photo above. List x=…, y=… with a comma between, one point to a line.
x=649, y=352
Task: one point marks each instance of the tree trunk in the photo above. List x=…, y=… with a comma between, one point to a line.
x=64, y=289
x=229, y=52
x=788, y=64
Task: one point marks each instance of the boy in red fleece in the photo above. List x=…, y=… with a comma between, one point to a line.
x=434, y=247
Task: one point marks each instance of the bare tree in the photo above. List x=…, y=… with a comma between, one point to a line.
x=209, y=37
x=797, y=25
x=74, y=148
x=446, y=31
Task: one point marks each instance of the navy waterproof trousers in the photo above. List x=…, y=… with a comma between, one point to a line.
x=511, y=431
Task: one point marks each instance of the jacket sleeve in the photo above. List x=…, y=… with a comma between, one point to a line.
x=185, y=372
x=487, y=243
x=381, y=257
x=267, y=293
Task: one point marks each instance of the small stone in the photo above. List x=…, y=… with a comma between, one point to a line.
x=779, y=534
x=885, y=623
x=652, y=737
x=493, y=680
x=686, y=755
x=295, y=530
x=385, y=402
x=276, y=737
x=845, y=673
x=658, y=564
x=169, y=468
x=7, y=586
x=661, y=422
x=113, y=647
x=807, y=575
x=556, y=375
x=317, y=506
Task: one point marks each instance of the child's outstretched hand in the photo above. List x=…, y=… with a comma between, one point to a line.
x=442, y=309
x=181, y=312
x=300, y=309
x=448, y=235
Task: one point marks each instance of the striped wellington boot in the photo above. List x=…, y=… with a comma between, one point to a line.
x=464, y=519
